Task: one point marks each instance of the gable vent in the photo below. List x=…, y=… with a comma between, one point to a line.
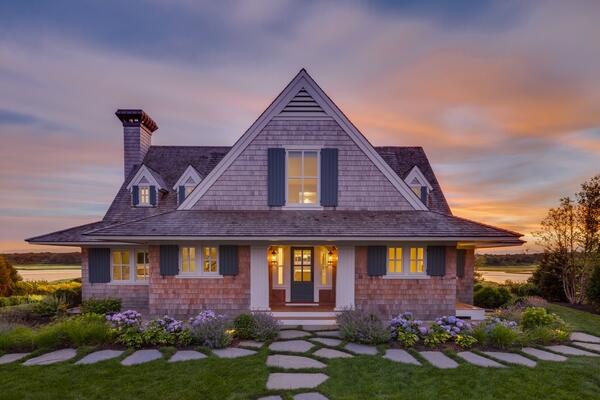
x=302, y=106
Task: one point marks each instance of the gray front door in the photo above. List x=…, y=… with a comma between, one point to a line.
x=302, y=274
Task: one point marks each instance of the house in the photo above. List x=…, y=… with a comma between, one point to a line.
x=302, y=216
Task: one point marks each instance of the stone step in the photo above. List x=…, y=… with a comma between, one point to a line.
x=327, y=341
x=331, y=353
x=293, y=334
x=401, y=356
x=10, y=358
x=98, y=356
x=142, y=357
x=584, y=337
x=233, y=352
x=361, y=349
x=186, y=355
x=310, y=396
x=589, y=346
x=293, y=362
x=52, y=358
x=292, y=346
x=335, y=334
x=478, y=360
x=438, y=359
x=543, y=355
x=570, y=351
x=511, y=358
x=291, y=381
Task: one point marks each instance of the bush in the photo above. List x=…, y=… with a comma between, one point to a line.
x=165, y=331
x=544, y=335
x=497, y=332
x=22, y=314
x=16, y=338
x=593, y=289
x=8, y=277
x=16, y=300
x=266, y=327
x=522, y=289
x=436, y=336
x=407, y=330
x=244, y=326
x=210, y=330
x=535, y=317
x=362, y=327
x=101, y=306
x=23, y=288
x=84, y=330
x=491, y=297
x=548, y=277
x=51, y=306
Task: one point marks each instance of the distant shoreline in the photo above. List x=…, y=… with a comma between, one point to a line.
x=37, y=267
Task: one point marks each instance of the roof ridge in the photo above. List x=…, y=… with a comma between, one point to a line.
x=479, y=223
x=64, y=230
x=128, y=222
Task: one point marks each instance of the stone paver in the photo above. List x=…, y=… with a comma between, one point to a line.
x=331, y=353
x=313, y=328
x=439, y=359
x=327, y=341
x=10, y=358
x=543, y=355
x=292, y=334
x=361, y=349
x=511, y=358
x=328, y=333
x=478, y=360
x=293, y=362
x=310, y=396
x=251, y=343
x=401, y=356
x=287, y=381
x=98, y=356
x=589, y=346
x=186, y=355
x=233, y=352
x=270, y=398
x=53, y=357
x=570, y=351
x=141, y=357
x=293, y=346
x=584, y=337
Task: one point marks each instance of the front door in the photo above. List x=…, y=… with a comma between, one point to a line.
x=302, y=274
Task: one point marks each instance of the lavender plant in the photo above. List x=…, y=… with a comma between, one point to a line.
x=210, y=330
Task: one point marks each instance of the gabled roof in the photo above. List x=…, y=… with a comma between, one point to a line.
x=189, y=173
x=147, y=175
x=416, y=177
x=303, y=82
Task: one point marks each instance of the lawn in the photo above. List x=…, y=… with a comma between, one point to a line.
x=361, y=377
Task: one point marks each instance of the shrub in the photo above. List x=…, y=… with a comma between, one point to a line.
x=8, y=277
x=522, y=289
x=465, y=341
x=362, y=327
x=548, y=277
x=101, y=306
x=593, y=289
x=16, y=300
x=545, y=335
x=165, y=331
x=51, y=306
x=16, y=338
x=266, y=327
x=491, y=297
x=436, y=336
x=129, y=318
x=497, y=332
x=210, y=330
x=406, y=330
x=84, y=330
x=453, y=325
x=22, y=313
x=534, y=317
x=244, y=326
x=43, y=287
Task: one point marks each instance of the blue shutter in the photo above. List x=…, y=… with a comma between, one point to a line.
x=276, y=177
x=376, y=260
x=152, y=191
x=135, y=195
x=461, y=256
x=99, y=265
x=228, y=260
x=181, y=194
x=329, y=177
x=169, y=260
x=424, y=193
x=436, y=260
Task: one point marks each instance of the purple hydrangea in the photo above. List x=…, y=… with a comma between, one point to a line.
x=125, y=319
x=452, y=325
x=170, y=324
x=405, y=323
x=204, y=316
x=491, y=323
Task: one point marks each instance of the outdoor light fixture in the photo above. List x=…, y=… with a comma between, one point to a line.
x=273, y=257
x=331, y=257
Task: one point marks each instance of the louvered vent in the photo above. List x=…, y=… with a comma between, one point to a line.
x=302, y=106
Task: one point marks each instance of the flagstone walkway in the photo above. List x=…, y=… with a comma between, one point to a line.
x=306, y=368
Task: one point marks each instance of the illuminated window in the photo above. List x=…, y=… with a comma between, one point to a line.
x=395, y=260
x=209, y=260
x=142, y=264
x=120, y=265
x=188, y=260
x=280, y=266
x=188, y=189
x=144, y=195
x=416, y=259
x=302, y=177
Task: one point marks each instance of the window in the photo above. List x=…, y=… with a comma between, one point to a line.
x=120, y=267
x=210, y=260
x=142, y=263
x=416, y=260
x=188, y=189
x=144, y=195
x=188, y=260
x=302, y=177
x=130, y=265
x=279, y=267
x=302, y=259
x=395, y=260
x=199, y=260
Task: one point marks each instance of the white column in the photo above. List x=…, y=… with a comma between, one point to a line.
x=344, y=289
x=259, y=279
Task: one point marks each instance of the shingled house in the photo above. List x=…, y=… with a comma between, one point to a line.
x=302, y=216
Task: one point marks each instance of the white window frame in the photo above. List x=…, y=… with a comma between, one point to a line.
x=132, y=266
x=406, y=274
x=303, y=149
x=142, y=203
x=199, y=263
x=324, y=268
x=416, y=174
x=281, y=266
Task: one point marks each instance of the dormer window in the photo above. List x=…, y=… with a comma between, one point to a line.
x=418, y=184
x=186, y=183
x=144, y=187
x=302, y=177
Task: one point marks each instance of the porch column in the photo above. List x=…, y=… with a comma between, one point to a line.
x=344, y=289
x=259, y=279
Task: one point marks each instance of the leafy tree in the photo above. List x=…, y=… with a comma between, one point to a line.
x=548, y=277
x=8, y=277
x=593, y=292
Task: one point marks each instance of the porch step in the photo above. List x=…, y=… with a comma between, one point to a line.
x=304, y=314
x=307, y=321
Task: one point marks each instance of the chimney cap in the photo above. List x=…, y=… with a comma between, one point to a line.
x=136, y=117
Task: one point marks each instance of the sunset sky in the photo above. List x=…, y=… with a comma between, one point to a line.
x=504, y=96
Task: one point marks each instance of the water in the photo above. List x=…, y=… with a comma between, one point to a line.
x=49, y=274
x=501, y=277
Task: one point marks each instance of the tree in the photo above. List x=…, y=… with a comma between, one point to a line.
x=547, y=278
x=570, y=234
x=8, y=277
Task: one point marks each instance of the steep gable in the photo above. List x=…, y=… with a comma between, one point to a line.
x=303, y=115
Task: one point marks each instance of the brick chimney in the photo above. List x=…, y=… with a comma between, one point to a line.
x=137, y=136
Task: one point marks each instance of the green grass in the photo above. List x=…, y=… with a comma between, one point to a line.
x=579, y=320
x=35, y=267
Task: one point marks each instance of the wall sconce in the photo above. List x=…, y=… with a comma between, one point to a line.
x=331, y=258
x=273, y=257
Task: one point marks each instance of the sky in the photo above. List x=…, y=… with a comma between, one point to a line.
x=504, y=96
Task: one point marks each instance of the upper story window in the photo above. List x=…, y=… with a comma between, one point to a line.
x=186, y=183
x=130, y=265
x=199, y=261
x=144, y=187
x=302, y=177
x=418, y=184
x=144, y=192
